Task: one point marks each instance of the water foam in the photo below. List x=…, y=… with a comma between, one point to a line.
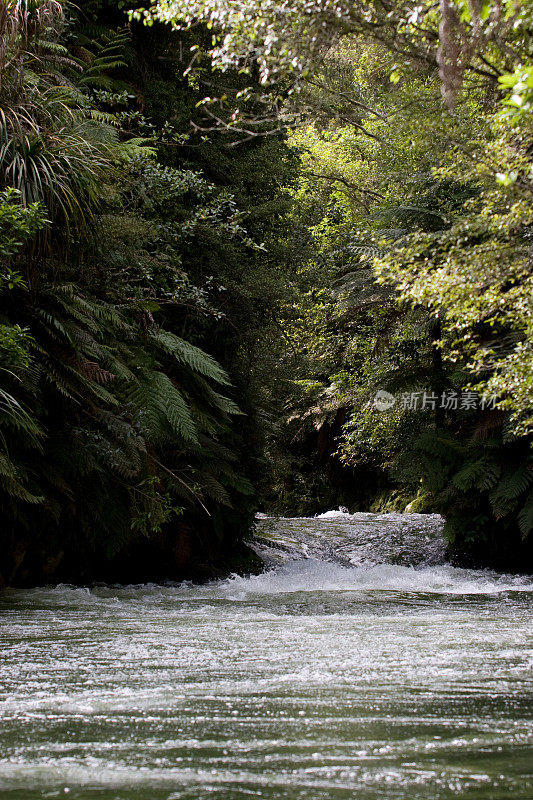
x=299, y=576
x=334, y=552
x=310, y=575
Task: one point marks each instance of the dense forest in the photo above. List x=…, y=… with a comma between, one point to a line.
x=261, y=256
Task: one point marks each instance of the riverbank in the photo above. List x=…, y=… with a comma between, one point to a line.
x=177, y=555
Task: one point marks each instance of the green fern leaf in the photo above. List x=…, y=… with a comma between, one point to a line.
x=192, y=356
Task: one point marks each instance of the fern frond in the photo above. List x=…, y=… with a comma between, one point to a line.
x=176, y=409
x=192, y=356
x=213, y=489
x=11, y=482
x=514, y=483
x=481, y=474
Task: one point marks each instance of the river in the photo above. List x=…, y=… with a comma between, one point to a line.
x=360, y=665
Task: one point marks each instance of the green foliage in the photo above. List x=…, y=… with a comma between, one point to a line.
x=157, y=277
x=484, y=486
x=115, y=428
x=286, y=44
x=106, y=411
x=420, y=220
x=18, y=223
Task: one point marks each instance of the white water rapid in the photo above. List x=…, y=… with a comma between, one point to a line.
x=359, y=666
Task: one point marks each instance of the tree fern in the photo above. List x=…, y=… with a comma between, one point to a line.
x=14, y=481
x=482, y=473
x=187, y=353
x=115, y=425
x=511, y=486
x=109, y=56
x=176, y=410
x=213, y=488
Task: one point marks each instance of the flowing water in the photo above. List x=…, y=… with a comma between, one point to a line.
x=360, y=665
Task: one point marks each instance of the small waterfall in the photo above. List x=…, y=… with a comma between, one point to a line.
x=362, y=539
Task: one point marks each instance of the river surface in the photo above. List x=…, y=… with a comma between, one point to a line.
x=360, y=665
